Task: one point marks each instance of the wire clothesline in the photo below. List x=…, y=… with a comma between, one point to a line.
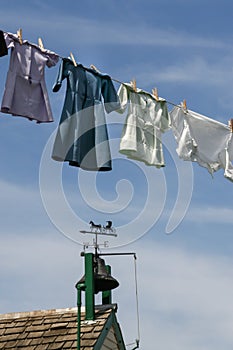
x=183, y=104
x=41, y=46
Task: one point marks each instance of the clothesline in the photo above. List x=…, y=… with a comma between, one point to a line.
x=171, y=103
x=40, y=44
x=116, y=80
x=83, y=141
x=120, y=82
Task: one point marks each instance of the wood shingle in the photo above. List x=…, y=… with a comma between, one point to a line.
x=55, y=329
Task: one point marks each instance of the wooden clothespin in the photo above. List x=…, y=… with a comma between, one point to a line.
x=73, y=59
x=230, y=123
x=40, y=43
x=185, y=105
x=134, y=85
x=20, y=35
x=155, y=94
x=94, y=67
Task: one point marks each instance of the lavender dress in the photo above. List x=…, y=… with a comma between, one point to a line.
x=25, y=92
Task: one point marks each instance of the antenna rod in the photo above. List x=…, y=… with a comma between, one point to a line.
x=96, y=246
x=134, y=254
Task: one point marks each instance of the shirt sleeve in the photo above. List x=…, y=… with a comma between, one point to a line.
x=60, y=77
x=186, y=143
x=165, y=119
x=10, y=40
x=123, y=98
x=109, y=95
x=3, y=47
x=52, y=58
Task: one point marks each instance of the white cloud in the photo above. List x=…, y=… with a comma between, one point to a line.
x=210, y=214
x=118, y=33
x=21, y=207
x=194, y=70
x=185, y=298
x=38, y=271
x=90, y=31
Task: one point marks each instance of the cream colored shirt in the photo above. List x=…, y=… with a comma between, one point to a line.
x=146, y=120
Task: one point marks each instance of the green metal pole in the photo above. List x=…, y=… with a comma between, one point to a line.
x=89, y=282
x=79, y=304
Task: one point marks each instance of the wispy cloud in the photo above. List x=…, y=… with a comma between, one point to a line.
x=118, y=33
x=92, y=31
x=202, y=214
x=196, y=70
x=40, y=264
x=185, y=298
x=211, y=215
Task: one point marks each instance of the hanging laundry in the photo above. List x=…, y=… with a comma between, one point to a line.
x=25, y=92
x=82, y=136
x=203, y=140
x=3, y=47
x=147, y=118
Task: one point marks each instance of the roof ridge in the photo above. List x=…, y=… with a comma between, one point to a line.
x=38, y=312
x=53, y=311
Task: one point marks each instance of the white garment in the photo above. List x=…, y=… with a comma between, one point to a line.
x=146, y=120
x=203, y=140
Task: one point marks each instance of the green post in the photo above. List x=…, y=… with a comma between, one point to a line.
x=79, y=304
x=107, y=295
x=89, y=282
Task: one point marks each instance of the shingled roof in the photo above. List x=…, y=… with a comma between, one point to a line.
x=57, y=329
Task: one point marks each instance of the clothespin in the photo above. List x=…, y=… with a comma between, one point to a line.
x=230, y=123
x=73, y=59
x=94, y=67
x=40, y=43
x=134, y=85
x=155, y=94
x=185, y=105
x=20, y=35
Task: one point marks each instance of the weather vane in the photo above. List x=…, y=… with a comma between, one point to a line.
x=99, y=230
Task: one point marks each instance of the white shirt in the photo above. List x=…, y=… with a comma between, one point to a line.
x=146, y=120
x=203, y=140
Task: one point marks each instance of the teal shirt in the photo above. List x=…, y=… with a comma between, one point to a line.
x=82, y=136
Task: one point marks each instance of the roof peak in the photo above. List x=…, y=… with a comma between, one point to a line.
x=35, y=313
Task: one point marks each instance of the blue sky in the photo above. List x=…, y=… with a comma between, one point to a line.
x=184, y=48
